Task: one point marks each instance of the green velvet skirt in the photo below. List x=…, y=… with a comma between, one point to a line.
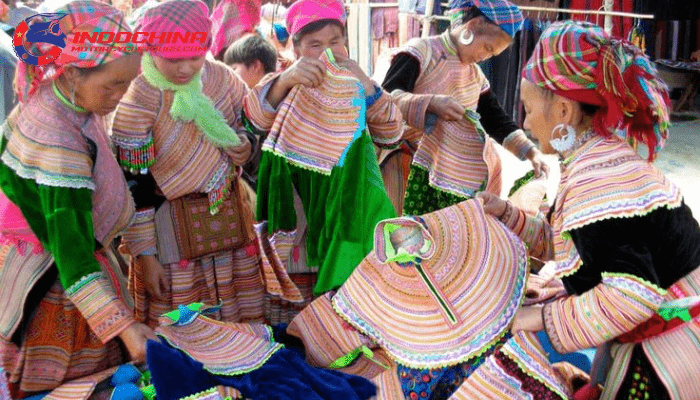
x=342, y=209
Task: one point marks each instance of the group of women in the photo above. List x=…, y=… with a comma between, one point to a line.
x=626, y=247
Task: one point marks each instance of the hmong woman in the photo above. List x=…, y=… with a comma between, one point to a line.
x=331, y=164
x=65, y=302
x=441, y=91
x=625, y=244
x=178, y=132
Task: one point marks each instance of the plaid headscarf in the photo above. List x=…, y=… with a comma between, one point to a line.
x=304, y=12
x=82, y=16
x=231, y=20
x=501, y=12
x=178, y=16
x=579, y=61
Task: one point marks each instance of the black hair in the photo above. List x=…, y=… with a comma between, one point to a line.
x=586, y=108
x=248, y=49
x=314, y=27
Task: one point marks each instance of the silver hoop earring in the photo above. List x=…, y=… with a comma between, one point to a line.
x=72, y=95
x=466, y=40
x=566, y=142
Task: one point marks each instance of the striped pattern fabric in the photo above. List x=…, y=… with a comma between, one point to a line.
x=459, y=160
x=304, y=12
x=426, y=317
x=229, y=278
x=327, y=337
x=579, y=60
x=21, y=270
x=501, y=12
x=34, y=151
x=493, y=381
x=185, y=161
x=616, y=306
x=140, y=238
x=95, y=297
x=605, y=178
x=302, y=133
x=80, y=389
x=183, y=16
x=223, y=348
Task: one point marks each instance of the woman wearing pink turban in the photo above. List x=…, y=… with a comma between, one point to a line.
x=64, y=199
x=623, y=241
x=179, y=135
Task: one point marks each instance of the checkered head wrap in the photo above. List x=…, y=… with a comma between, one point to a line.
x=501, y=12
x=304, y=12
x=579, y=61
x=231, y=20
x=177, y=16
x=81, y=16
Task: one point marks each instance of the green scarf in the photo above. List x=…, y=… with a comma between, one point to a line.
x=190, y=104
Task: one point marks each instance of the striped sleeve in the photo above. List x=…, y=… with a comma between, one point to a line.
x=256, y=107
x=413, y=107
x=518, y=144
x=140, y=238
x=534, y=231
x=615, y=306
x=384, y=121
x=133, y=121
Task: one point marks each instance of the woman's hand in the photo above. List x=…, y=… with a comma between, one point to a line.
x=528, y=319
x=493, y=204
x=134, y=338
x=446, y=107
x=536, y=158
x=239, y=154
x=306, y=71
x=153, y=275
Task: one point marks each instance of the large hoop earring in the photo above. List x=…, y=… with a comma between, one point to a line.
x=566, y=142
x=72, y=96
x=466, y=41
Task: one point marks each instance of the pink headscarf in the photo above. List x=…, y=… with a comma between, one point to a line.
x=231, y=20
x=304, y=12
x=177, y=16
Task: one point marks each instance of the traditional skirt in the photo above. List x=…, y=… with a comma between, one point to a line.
x=342, y=208
x=229, y=278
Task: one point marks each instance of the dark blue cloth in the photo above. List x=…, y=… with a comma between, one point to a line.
x=285, y=376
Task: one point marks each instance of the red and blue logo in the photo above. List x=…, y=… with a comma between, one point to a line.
x=43, y=30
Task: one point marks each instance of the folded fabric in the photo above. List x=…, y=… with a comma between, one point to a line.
x=285, y=376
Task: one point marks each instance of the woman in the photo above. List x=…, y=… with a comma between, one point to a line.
x=441, y=91
x=624, y=242
x=65, y=303
x=178, y=132
x=340, y=193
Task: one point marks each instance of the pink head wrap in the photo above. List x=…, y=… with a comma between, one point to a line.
x=231, y=20
x=304, y=12
x=181, y=17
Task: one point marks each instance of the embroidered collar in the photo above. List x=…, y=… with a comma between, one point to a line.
x=190, y=104
x=447, y=42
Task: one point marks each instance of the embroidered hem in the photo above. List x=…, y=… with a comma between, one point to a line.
x=43, y=178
